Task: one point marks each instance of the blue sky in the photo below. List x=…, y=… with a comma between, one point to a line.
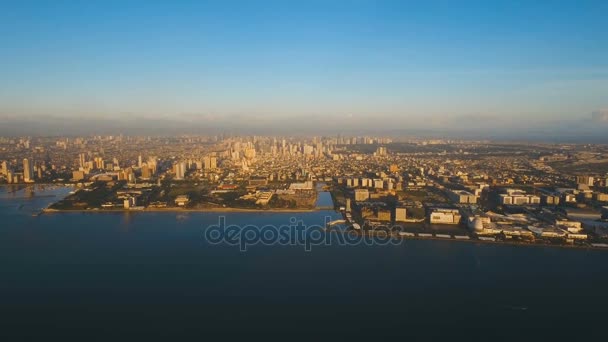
x=421, y=64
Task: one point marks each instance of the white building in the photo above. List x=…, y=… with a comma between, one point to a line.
x=444, y=216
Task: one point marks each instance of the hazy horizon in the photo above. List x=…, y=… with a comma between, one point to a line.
x=531, y=70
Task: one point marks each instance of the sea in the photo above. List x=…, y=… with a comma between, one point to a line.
x=162, y=276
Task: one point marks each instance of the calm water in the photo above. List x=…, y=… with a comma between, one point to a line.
x=324, y=200
x=130, y=276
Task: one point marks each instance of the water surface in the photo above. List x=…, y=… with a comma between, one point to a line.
x=135, y=275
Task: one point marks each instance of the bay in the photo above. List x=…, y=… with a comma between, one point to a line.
x=134, y=275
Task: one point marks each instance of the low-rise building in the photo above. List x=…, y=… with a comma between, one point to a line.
x=444, y=216
x=361, y=195
x=601, y=197
x=263, y=197
x=400, y=214
x=461, y=196
x=182, y=200
x=77, y=175
x=570, y=226
x=130, y=202
x=384, y=215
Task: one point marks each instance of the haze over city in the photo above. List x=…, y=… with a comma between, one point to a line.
x=472, y=69
x=315, y=169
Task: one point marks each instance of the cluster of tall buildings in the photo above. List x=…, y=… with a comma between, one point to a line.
x=181, y=168
x=29, y=174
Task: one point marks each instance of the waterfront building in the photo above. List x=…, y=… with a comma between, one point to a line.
x=384, y=215
x=28, y=170
x=400, y=214
x=444, y=216
x=182, y=200
x=130, y=202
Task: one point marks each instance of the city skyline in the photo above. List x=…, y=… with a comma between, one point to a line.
x=305, y=169
x=361, y=65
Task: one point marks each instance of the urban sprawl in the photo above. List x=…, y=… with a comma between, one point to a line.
x=410, y=187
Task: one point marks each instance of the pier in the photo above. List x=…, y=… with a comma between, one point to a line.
x=335, y=222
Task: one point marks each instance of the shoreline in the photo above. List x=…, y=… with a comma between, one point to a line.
x=181, y=210
x=473, y=240
x=368, y=233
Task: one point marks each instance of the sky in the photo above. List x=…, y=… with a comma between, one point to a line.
x=442, y=66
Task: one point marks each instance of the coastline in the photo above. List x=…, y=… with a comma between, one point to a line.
x=477, y=241
x=182, y=210
x=368, y=233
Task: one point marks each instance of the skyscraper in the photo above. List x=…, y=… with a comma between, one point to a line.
x=180, y=170
x=82, y=160
x=381, y=151
x=210, y=162
x=28, y=170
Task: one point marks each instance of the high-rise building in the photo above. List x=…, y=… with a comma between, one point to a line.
x=307, y=149
x=152, y=164
x=210, y=162
x=381, y=151
x=250, y=153
x=82, y=160
x=28, y=170
x=100, y=163
x=4, y=169
x=180, y=170
x=145, y=171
